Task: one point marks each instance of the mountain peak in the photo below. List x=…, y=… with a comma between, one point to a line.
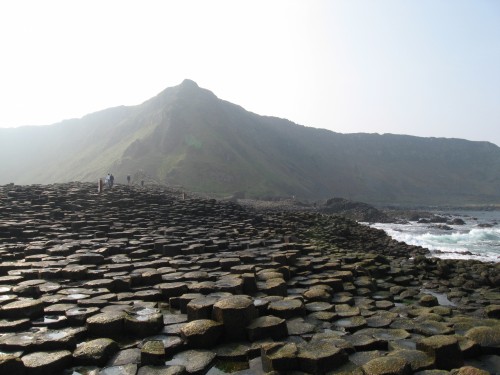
x=189, y=83
x=189, y=89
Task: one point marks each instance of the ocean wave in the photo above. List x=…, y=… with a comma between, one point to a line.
x=474, y=236
x=478, y=243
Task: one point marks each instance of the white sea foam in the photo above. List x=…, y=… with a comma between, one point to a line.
x=462, y=242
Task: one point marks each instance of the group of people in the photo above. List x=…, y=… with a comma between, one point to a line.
x=109, y=180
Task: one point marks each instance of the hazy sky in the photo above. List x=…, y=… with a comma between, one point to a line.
x=419, y=67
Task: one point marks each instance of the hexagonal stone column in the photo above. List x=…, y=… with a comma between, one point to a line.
x=174, y=289
x=153, y=353
x=200, y=308
x=95, y=352
x=24, y=308
x=419, y=361
x=287, y=308
x=273, y=287
x=235, y=313
x=41, y=363
x=143, y=322
x=444, y=349
x=320, y=356
x=202, y=333
x=106, y=324
x=387, y=366
x=194, y=361
x=487, y=337
x=279, y=357
x=267, y=326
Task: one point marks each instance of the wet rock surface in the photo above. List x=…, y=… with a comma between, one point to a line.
x=141, y=281
x=94, y=352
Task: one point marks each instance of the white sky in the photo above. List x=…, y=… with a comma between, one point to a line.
x=419, y=67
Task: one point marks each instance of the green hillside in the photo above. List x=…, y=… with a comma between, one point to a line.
x=187, y=137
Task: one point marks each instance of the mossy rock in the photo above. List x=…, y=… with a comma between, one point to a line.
x=202, y=333
x=95, y=352
x=392, y=365
x=42, y=363
x=320, y=356
x=418, y=360
x=444, y=349
x=487, y=337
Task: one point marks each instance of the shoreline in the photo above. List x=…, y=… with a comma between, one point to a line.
x=473, y=234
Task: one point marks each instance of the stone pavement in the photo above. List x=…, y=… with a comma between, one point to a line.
x=141, y=281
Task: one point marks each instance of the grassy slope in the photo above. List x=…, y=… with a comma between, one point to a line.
x=186, y=136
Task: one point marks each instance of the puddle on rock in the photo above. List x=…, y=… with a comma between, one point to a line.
x=83, y=370
x=77, y=296
x=146, y=311
x=55, y=335
x=441, y=297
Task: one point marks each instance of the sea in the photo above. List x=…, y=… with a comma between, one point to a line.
x=478, y=238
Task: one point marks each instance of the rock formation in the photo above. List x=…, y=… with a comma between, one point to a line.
x=141, y=281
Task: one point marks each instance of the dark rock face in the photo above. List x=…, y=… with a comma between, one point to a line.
x=11, y=364
x=138, y=281
x=353, y=210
